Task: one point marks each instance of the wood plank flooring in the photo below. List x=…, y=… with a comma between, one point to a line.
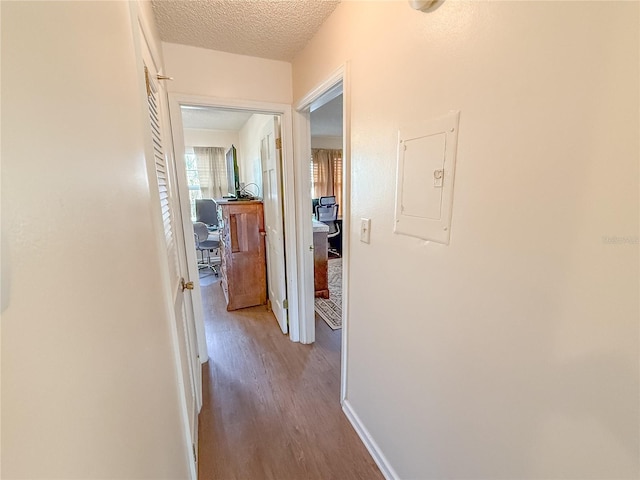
x=271, y=408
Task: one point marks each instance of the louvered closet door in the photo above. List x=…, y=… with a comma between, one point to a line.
x=175, y=254
x=162, y=178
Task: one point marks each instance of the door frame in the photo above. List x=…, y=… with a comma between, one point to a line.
x=288, y=201
x=317, y=96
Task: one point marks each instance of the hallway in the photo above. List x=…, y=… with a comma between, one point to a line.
x=271, y=407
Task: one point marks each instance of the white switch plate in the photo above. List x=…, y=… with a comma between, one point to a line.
x=365, y=230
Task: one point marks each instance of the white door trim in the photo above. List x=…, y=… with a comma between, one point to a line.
x=289, y=184
x=323, y=91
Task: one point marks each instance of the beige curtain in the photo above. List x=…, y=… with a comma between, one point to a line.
x=326, y=172
x=212, y=171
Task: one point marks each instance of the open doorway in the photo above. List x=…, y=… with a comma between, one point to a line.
x=232, y=162
x=336, y=85
x=327, y=206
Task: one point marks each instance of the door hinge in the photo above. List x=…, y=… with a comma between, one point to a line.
x=147, y=82
x=195, y=457
x=285, y=304
x=278, y=143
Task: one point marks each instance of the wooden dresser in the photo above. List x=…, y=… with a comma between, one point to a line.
x=243, y=270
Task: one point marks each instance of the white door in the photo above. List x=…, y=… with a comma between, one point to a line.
x=270, y=155
x=182, y=302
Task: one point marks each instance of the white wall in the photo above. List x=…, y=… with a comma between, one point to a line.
x=246, y=140
x=512, y=352
x=198, y=71
x=199, y=137
x=249, y=161
x=88, y=379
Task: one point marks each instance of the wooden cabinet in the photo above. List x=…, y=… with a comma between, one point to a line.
x=243, y=270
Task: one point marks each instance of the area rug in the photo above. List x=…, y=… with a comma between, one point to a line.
x=330, y=309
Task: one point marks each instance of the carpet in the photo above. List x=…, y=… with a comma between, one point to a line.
x=330, y=309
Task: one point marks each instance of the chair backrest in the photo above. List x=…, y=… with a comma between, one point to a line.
x=206, y=211
x=325, y=201
x=328, y=213
x=200, y=231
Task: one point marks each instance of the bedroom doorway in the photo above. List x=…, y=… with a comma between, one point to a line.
x=224, y=158
x=333, y=89
x=210, y=128
x=327, y=202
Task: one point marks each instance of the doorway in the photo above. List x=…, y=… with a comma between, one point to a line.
x=327, y=202
x=210, y=123
x=336, y=85
x=232, y=155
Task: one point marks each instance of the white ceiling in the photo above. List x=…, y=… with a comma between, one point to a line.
x=274, y=29
x=213, y=118
x=326, y=121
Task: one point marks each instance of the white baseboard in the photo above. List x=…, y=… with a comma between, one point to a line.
x=377, y=455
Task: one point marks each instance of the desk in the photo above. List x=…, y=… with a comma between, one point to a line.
x=320, y=258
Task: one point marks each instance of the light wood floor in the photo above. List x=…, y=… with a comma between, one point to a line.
x=271, y=408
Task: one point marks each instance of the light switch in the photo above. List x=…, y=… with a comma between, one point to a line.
x=365, y=230
x=438, y=176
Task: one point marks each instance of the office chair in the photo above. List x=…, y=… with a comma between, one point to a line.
x=207, y=212
x=328, y=214
x=201, y=235
x=326, y=201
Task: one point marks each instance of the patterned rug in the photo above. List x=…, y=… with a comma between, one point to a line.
x=330, y=309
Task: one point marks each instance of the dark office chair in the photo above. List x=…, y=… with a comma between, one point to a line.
x=328, y=214
x=207, y=213
x=201, y=235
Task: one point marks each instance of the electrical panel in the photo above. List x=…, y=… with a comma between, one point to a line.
x=424, y=182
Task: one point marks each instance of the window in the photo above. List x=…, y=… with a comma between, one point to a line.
x=193, y=181
x=326, y=173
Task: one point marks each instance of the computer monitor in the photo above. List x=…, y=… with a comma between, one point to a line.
x=314, y=203
x=233, y=175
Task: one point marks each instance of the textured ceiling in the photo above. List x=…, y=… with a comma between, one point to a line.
x=274, y=29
